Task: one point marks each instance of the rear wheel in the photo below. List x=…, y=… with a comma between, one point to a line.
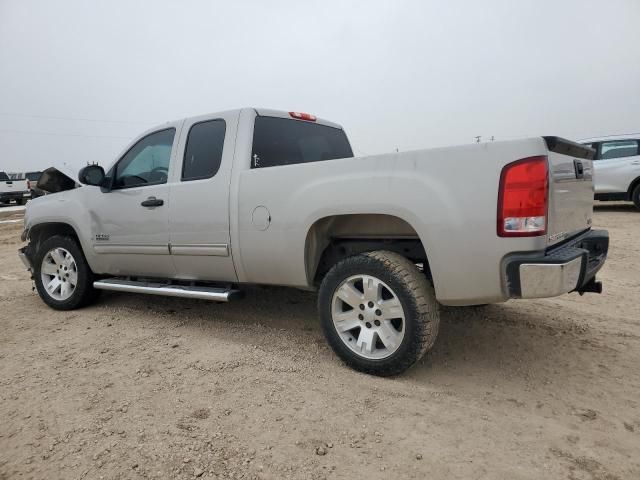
x=635, y=196
x=378, y=312
x=62, y=276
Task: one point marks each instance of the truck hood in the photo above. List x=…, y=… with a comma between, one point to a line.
x=55, y=180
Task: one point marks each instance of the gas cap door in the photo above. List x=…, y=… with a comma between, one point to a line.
x=261, y=218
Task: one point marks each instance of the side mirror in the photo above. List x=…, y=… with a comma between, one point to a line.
x=91, y=175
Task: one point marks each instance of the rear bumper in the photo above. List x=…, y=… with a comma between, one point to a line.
x=13, y=195
x=569, y=267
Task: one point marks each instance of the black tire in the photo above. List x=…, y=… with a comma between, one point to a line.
x=84, y=292
x=22, y=201
x=635, y=196
x=416, y=295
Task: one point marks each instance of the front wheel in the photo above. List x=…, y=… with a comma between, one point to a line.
x=62, y=276
x=378, y=312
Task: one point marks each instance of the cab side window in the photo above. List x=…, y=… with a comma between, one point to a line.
x=618, y=149
x=147, y=162
x=203, y=152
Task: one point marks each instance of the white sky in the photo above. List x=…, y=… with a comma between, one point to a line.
x=395, y=74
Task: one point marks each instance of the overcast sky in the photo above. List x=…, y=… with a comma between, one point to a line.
x=79, y=79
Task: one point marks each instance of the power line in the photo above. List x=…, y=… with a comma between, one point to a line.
x=81, y=119
x=22, y=132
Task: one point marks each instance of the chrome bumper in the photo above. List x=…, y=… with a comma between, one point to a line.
x=561, y=269
x=540, y=280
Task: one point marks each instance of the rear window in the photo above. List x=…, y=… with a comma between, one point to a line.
x=3, y=177
x=281, y=141
x=33, y=176
x=618, y=149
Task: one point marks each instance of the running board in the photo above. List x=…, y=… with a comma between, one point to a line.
x=217, y=294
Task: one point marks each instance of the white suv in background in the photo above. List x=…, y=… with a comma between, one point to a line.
x=616, y=167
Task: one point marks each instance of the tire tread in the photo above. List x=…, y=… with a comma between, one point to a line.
x=424, y=310
x=635, y=196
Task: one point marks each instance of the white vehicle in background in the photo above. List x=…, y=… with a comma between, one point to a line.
x=13, y=189
x=616, y=167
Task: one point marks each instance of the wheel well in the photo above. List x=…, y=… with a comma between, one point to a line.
x=39, y=233
x=333, y=238
x=632, y=187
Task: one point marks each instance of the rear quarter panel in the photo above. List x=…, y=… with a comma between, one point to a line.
x=448, y=195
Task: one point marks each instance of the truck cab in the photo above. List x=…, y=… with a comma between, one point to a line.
x=163, y=207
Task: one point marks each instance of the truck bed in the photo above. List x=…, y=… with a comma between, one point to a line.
x=447, y=195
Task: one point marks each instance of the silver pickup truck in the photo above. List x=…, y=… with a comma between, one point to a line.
x=198, y=207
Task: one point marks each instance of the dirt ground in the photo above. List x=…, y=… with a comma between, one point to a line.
x=150, y=387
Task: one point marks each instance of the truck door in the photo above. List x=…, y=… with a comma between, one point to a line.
x=129, y=223
x=199, y=211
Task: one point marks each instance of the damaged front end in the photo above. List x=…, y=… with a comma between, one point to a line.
x=53, y=180
x=25, y=255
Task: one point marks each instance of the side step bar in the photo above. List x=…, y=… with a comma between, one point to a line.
x=217, y=294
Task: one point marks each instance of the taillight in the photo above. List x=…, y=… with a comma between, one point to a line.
x=523, y=197
x=303, y=116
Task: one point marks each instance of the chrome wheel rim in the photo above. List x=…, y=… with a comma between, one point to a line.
x=59, y=274
x=368, y=317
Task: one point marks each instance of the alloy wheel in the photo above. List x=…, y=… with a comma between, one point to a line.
x=59, y=273
x=368, y=316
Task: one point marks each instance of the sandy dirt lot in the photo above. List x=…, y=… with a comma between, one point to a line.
x=149, y=387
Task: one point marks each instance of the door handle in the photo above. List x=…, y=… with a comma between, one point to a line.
x=636, y=162
x=152, y=202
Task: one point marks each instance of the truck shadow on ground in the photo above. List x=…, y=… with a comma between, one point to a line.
x=616, y=207
x=504, y=341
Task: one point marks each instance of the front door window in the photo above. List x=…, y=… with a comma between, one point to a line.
x=147, y=162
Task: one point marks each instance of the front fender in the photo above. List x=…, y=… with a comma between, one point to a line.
x=66, y=208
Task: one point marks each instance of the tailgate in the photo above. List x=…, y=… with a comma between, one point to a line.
x=570, y=189
x=13, y=185
x=8, y=186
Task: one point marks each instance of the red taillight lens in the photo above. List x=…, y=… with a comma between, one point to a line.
x=522, y=198
x=303, y=116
